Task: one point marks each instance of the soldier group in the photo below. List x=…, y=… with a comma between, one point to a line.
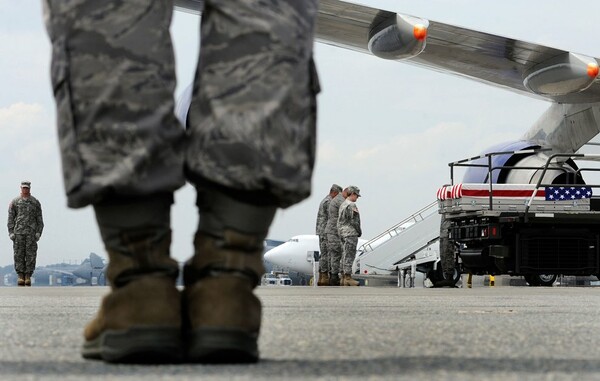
x=338, y=228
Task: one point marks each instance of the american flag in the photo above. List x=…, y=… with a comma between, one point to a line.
x=567, y=193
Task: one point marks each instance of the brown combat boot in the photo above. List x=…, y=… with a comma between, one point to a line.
x=223, y=314
x=139, y=321
x=323, y=279
x=334, y=279
x=28, y=280
x=348, y=281
x=20, y=280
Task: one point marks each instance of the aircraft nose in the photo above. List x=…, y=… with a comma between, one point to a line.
x=273, y=257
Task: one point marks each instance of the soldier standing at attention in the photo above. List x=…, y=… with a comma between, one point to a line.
x=249, y=149
x=322, y=217
x=349, y=228
x=25, y=226
x=334, y=243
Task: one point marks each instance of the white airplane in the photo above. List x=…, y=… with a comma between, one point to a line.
x=297, y=254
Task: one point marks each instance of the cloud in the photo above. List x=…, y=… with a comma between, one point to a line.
x=20, y=118
x=27, y=135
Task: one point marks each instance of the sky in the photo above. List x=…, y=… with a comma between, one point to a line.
x=386, y=127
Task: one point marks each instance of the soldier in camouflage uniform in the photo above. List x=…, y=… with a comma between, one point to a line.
x=349, y=228
x=334, y=243
x=249, y=148
x=322, y=217
x=25, y=226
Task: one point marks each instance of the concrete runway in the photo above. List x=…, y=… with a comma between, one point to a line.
x=502, y=333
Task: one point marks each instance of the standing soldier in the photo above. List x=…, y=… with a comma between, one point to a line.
x=349, y=228
x=322, y=217
x=334, y=244
x=25, y=225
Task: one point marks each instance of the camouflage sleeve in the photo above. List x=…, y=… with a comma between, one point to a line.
x=322, y=216
x=325, y=212
x=357, y=224
x=11, y=218
x=39, y=219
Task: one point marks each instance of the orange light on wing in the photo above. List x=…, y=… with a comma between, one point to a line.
x=592, y=69
x=420, y=32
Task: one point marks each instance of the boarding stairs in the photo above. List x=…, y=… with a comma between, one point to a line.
x=404, y=245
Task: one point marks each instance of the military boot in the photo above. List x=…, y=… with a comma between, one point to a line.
x=28, y=280
x=139, y=321
x=334, y=279
x=222, y=314
x=347, y=280
x=20, y=279
x=323, y=279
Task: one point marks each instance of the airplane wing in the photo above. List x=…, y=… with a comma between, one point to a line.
x=527, y=68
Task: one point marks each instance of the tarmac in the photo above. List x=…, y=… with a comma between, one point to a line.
x=330, y=333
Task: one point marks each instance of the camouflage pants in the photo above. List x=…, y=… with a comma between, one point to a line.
x=334, y=248
x=349, y=247
x=25, y=251
x=324, y=256
x=251, y=123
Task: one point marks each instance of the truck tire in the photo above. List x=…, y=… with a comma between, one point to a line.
x=439, y=280
x=547, y=280
x=540, y=280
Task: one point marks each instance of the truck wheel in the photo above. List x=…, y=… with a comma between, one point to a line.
x=547, y=280
x=540, y=280
x=439, y=280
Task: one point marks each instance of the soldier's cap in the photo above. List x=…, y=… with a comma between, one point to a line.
x=25, y=184
x=353, y=190
x=336, y=188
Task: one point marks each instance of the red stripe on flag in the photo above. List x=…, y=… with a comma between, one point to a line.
x=502, y=193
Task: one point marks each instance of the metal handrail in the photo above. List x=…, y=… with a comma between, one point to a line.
x=416, y=217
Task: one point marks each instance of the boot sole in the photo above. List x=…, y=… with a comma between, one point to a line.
x=221, y=346
x=137, y=345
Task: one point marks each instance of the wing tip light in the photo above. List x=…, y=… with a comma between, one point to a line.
x=593, y=69
x=420, y=32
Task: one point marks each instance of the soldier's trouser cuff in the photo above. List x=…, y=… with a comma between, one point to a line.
x=123, y=215
x=220, y=212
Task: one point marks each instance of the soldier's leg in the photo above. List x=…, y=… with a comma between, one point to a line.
x=223, y=314
x=342, y=259
x=323, y=261
x=335, y=257
x=251, y=150
x=113, y=78
x=349, y=254
x=30, y=257
x=19, y=258
x=140, y=319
